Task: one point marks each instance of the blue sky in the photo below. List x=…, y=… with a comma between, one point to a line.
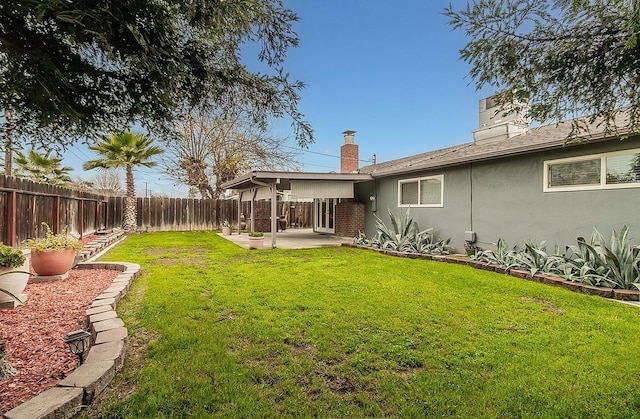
x=388, y=70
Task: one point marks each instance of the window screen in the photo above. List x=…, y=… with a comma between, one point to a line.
x=624, y=168
x=409, y=194
x=584, y=172
x=425, y=191
x=430, y=191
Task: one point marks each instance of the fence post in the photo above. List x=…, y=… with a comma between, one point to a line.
x=11, y=218
x=56, y=215
x=81, y=216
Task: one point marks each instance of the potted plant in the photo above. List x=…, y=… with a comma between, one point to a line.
x=256, y=240
x=14, y=273
x=54, y=254
x=226, y=228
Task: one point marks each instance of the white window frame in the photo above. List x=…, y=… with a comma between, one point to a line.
x=418, y=205
x=603, y=173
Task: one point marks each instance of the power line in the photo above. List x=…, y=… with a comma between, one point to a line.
x=321, y=154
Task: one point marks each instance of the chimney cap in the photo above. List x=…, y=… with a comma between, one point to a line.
x=348, y=136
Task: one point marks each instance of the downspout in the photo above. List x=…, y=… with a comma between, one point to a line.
x=471, y=196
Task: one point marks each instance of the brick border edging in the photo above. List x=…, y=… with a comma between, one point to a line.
x=106, y=354
x=612, y=293
x=95, y=246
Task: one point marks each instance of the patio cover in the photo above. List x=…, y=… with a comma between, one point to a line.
x=266, y=185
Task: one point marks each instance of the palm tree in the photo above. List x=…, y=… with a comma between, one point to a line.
x=42, y=168
x=125, y=150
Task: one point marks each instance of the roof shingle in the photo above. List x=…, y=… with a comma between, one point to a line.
x=538, y=139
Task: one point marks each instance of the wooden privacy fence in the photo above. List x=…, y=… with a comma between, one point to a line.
x=25, y=205
x=183, y=214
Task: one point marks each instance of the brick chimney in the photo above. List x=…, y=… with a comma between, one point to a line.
x=348, y=153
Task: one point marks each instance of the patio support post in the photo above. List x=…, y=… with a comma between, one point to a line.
x=253, y=209
x=274, y=211
x=239, y=209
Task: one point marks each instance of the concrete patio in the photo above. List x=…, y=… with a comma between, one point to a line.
x=297, y=238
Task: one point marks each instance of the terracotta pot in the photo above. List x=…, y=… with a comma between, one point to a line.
x=14, y=282
x=226, y=231
x=256, y=242
x=52, y=262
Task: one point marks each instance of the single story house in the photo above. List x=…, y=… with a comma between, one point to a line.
x=511, y=182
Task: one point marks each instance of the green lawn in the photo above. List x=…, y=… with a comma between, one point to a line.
x=216, y=330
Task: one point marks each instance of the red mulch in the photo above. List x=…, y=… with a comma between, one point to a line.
x=87, y=239
x=33, y=332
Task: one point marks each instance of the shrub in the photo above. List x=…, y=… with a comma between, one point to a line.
x=10, y=257
x=53, y=241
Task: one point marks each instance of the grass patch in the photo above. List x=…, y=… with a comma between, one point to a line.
x=343, y=332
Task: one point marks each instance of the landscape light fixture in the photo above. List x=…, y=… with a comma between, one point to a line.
x=78, y=342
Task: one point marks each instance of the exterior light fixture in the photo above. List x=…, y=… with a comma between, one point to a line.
x=78, y=342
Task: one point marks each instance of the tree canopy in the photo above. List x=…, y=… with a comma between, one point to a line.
x=570, y=58
x=42, y=167
x=71, y=69
x=216, y=145
x=127, y=150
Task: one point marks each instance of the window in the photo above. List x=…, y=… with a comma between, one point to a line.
x=574, y=173
x=423, y=192
x=599, y=171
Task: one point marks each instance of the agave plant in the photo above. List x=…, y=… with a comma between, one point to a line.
x=400, y=236
x=404, y=235
x=623, y=260
x=502, y=256
x=596, y=263
x=535, y=259
x=584, y=263
x=426, y=242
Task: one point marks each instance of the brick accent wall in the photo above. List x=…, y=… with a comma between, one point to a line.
x=349, y=158
x=263, y=220
x=349, y=220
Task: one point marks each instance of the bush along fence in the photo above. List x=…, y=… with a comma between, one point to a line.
x=610, y=270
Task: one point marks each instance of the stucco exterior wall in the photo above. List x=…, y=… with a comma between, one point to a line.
x=504, y=198
x=450, y=220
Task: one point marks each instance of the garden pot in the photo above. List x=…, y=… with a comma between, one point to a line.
x=14, y=282
x=226, y=231
x=52, y=262
x=256, y=242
